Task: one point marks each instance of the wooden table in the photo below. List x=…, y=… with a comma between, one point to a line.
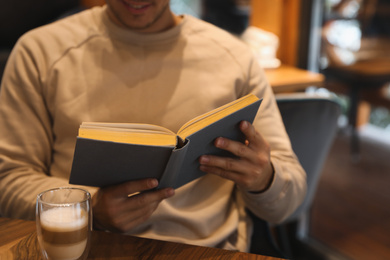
x=362, y=80
x=18, y=240
x=290, y=79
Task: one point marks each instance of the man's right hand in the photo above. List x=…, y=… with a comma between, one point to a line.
x=122, y=207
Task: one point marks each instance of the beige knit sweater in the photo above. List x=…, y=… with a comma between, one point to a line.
x=84, y=68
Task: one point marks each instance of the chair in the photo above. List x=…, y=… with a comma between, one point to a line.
x=311, y=121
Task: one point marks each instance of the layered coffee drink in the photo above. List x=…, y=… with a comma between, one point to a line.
x=64, y=232
x=64, y=223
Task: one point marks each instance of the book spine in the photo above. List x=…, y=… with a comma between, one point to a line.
x=171, y=174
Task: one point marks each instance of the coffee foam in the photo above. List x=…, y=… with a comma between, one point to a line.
x=64, y=219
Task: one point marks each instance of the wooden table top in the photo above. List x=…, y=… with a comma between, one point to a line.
x=371, y=73
x=290, y=79
x=18, y=240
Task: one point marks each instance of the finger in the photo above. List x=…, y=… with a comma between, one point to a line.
x=128, y=205
x=244, y=178
x=256, y=143
x=243, y=173
x=147, y=198
x=223, y=166
x=254, y=138
x=131, y=187
x=237, y=148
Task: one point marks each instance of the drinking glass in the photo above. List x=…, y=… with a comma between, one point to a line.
x=64, y=223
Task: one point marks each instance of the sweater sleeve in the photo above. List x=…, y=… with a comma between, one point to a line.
x=26, y=138
x=288, y=187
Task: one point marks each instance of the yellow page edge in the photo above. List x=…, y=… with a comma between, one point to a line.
x=214, y=115
x=140, y=138
x=125, y=127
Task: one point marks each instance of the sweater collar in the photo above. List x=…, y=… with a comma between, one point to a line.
x=132, y=37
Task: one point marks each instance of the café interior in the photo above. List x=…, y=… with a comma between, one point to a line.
x=328, y=62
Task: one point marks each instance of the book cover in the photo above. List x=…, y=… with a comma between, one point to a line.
x=100, y=162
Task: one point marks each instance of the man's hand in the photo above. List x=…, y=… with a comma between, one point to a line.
x=252, y=171
x=122, y=207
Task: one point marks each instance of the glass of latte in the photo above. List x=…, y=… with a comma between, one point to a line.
x=64, y=223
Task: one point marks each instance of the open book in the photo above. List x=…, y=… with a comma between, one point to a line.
x=112, y=153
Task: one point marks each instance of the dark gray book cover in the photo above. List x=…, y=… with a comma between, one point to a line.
x=102, y=163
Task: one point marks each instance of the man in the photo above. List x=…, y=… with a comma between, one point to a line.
x=135, y=61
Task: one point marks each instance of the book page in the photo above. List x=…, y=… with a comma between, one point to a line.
x=214, y=115
x=142, y=134
x=134, y=127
